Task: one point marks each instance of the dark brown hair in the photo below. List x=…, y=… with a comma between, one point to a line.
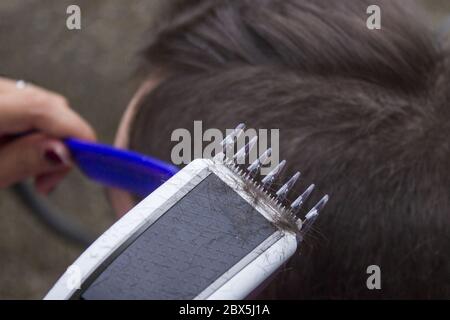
x=363, y=113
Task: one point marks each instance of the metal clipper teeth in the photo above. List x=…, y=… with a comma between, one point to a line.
x=254, y=170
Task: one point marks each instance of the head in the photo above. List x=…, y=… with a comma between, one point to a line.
x=364, y=114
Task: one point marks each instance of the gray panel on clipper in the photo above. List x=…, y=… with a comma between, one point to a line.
x=186, y=249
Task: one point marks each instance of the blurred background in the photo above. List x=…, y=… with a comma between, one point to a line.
x=95, y=69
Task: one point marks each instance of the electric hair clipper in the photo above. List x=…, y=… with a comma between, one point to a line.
x=212, y=231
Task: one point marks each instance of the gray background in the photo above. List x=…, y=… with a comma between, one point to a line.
x=94, y=68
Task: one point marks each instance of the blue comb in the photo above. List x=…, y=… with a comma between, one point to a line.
x=130, y=171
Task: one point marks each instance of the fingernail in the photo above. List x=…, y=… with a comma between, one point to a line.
x=56, y=157
x=53, y=157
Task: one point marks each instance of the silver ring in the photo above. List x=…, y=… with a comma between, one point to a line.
x=21, y=84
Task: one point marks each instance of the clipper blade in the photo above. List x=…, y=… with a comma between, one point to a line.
x=279, y=198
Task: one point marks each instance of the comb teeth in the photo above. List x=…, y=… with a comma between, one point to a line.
x=313, y=214
x=239, y=157
x=255, y=168
x=228, y=143
x=279, y=198
x=284, y=190
x=273, y=175
x=319, y=206
x=297, y=204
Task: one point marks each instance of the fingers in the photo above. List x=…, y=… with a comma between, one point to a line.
x=35, y=155
x=35, y=108
x=46, y=183
x=7, y=85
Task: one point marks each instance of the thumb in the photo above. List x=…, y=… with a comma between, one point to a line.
x=31, y=156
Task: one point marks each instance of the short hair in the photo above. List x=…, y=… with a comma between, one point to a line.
x=362, y=113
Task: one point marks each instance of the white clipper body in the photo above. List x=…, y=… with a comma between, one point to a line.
x=210, y=232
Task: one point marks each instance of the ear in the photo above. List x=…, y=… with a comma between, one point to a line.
x=122, y=136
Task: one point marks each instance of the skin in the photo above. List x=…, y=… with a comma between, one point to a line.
x=122, y=201
x=41, y=154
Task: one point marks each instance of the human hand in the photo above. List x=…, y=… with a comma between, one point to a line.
x=40, y=154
